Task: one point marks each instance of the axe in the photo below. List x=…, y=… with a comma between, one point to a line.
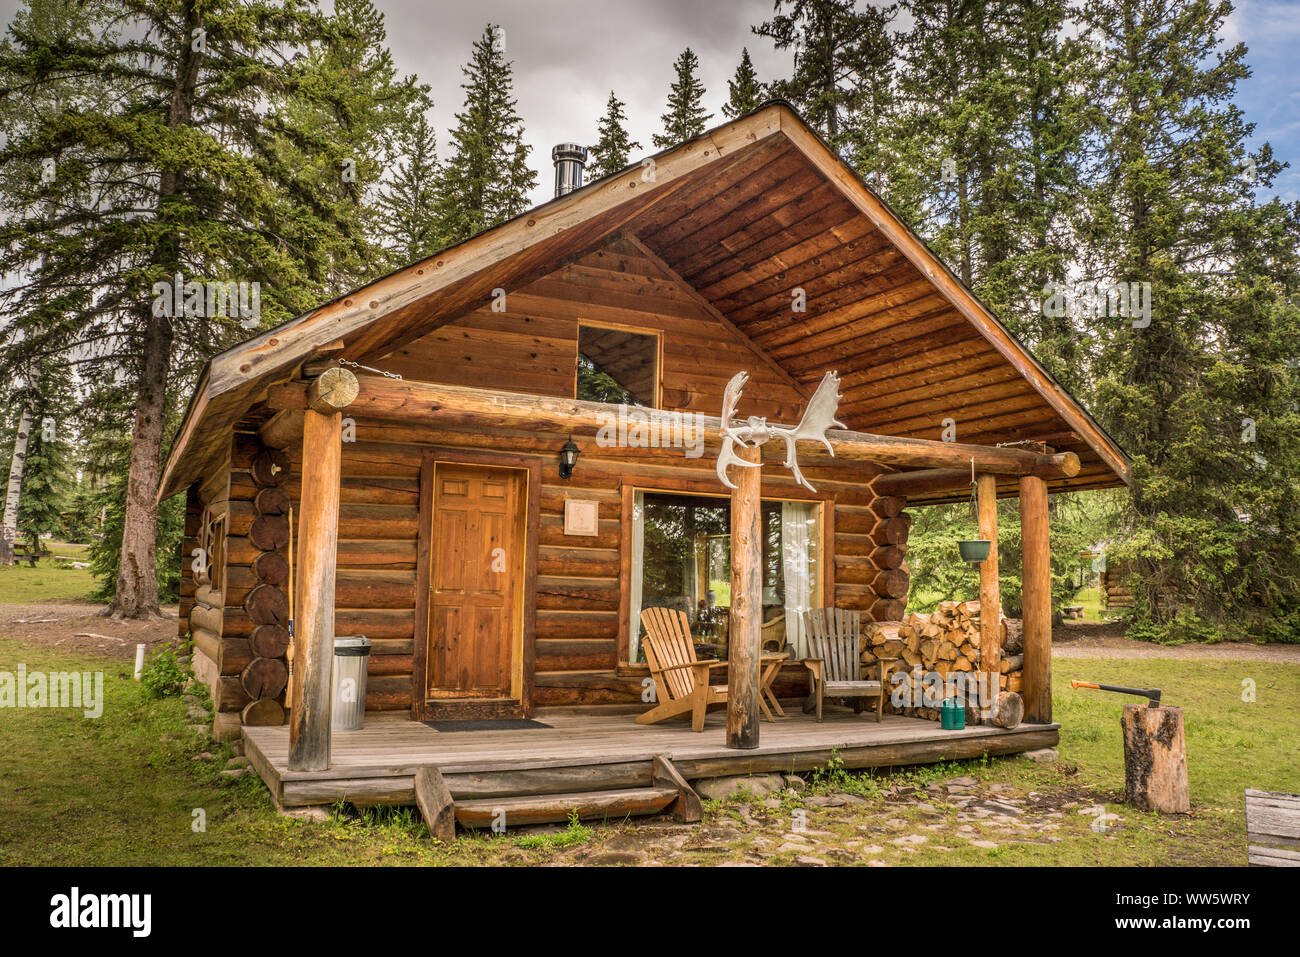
x=1151, y=694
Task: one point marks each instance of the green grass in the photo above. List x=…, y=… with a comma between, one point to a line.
x=123, y=788
x=1090, y=599
x=48, y=581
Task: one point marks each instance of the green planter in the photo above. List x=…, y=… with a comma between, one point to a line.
x=974, y=550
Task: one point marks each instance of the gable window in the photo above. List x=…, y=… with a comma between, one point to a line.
x=618, y=365
x=681, y=558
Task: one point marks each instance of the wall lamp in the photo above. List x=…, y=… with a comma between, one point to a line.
x=568, y=458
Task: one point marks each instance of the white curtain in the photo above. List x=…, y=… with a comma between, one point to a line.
x=798, y=555
x=638, y=572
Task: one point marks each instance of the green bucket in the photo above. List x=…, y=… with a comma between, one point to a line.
x=974, y=550
x=952, y=716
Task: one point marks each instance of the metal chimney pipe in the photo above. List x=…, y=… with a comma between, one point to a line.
x=569, y=159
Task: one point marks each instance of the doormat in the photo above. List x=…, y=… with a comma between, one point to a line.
x=487, y=724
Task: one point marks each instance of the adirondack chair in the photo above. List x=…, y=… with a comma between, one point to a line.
x=681, y=681
x=834, y=663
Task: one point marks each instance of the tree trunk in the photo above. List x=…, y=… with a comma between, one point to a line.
x=9, y=532
x=136, y=595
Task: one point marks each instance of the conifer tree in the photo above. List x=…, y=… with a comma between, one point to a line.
x=1201, y=394
x=141, y=148
x=407, y=205
x=685, y=116
x=613, y=147
x=486, y=179
x=842, y=61
x=744, y=92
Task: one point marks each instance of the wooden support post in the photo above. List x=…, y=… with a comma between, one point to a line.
x=746, y=618
x=990, y=594
x=1037, y=600
x=313, y=658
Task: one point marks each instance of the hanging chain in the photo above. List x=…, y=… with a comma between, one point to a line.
x=358, y=365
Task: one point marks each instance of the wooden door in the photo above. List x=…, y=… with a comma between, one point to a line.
x=476, y=571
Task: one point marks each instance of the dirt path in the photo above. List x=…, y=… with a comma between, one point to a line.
x=82, y=627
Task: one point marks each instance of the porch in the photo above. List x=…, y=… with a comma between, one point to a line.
x=603, y=765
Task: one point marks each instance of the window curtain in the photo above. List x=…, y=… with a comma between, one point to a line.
x=638, y=573
x=798, y=548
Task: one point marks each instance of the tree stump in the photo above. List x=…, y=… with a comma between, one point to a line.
x=1155, y=759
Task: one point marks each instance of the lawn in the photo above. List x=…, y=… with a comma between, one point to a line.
x=49, y=580
x=127, y=788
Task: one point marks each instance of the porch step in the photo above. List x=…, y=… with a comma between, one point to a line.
x=552, y=808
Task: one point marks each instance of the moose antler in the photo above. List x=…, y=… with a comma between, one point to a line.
x=731, y=437
x=817, y=418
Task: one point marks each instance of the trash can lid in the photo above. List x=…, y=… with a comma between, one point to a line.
x=351, y=645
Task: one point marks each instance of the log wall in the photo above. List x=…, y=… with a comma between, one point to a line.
x=580, y=617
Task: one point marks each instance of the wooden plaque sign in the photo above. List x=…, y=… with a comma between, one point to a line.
x=581, y=517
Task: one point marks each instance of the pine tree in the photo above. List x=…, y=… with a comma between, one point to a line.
x=685, y=116
x=1201, y=395
x=346, y=107
x=987, y=148
x=407, y=211
x=744, y=91
x=842, y=61
x=486, y=179
x=613, y=147
x=141, y=149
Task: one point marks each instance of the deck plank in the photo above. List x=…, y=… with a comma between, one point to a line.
x=388, y=748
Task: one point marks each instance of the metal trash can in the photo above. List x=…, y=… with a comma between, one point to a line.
x=348, y=697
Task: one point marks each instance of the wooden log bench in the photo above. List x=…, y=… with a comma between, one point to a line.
x=1272, y=829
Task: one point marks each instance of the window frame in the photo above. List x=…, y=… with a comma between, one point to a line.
x=771, y=492
x=620, y=327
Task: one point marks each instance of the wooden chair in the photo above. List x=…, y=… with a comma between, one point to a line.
x=773, y=635
x=681, y=681
x=835, y=663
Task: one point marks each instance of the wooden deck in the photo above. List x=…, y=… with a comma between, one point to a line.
x=579, y=753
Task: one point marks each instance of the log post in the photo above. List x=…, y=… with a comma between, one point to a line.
x=1037, y=578
x=317, y=545
x=746, y=618
x=986, y=487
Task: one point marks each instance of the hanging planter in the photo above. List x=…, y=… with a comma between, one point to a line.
x=974, y=549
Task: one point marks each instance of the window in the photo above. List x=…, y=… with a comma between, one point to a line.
x=681, y=558
x=617, y=365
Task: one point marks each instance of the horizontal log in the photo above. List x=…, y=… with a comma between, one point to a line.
x=919, y=481
x=381, y=398
x=263, y=713
x=264, y=677
x=232, y=655
x=208, y=619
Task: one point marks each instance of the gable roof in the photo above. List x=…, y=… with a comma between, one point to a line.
x=748, y=216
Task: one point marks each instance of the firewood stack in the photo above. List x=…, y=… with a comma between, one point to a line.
x=946, y=641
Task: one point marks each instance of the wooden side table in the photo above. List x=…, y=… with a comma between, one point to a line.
x=769, y=666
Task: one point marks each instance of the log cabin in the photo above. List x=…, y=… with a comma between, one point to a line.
x=496, y=457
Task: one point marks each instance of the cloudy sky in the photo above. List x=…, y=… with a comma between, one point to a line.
x=568, y=55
